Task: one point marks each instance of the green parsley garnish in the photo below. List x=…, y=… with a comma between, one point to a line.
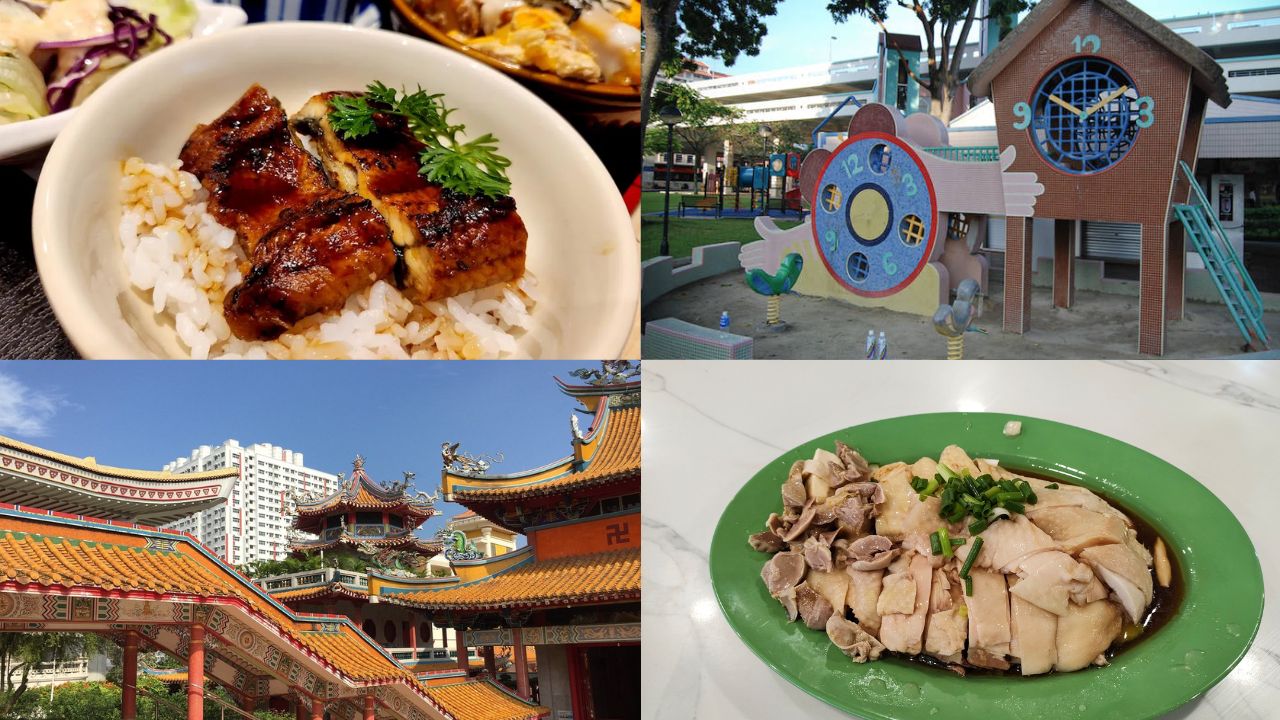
x=471, y=167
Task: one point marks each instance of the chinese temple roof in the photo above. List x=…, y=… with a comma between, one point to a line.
x=361, y=493
x=335, y=589
x=90, y=464
x=483, y=700
x=608, y=452
x=44, y=553
x=31, y=475
x=599, y=577
x=394, y=539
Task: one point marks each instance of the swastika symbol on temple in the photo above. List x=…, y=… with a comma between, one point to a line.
x=618, y=533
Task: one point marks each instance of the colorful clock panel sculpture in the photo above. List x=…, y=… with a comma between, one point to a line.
x=875, y=214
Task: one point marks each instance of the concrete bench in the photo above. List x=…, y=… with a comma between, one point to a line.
x=675, y=339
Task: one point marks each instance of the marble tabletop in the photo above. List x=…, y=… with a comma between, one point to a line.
x=710, y=425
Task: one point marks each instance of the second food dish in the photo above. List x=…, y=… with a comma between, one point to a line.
x=962, y=563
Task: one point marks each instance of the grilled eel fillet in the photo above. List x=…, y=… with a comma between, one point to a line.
x=310, y=245
x=451, y=243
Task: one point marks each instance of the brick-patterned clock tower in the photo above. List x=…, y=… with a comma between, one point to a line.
x=1101, y=101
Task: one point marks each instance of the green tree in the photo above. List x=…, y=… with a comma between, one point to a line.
x=699, y=28
x=946, y=25
x=20, y=653
x=702, y=120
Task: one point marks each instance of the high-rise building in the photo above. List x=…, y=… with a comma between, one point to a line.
x=254, y=524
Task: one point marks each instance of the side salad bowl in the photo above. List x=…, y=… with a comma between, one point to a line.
x=25, y=142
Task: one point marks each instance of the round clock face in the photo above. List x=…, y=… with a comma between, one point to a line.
x=1085, y=115
x=874, y=215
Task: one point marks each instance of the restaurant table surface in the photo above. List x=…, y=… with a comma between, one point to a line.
x=709, y=426
x=29, y=330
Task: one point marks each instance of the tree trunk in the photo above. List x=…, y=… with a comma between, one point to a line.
x=658, y=19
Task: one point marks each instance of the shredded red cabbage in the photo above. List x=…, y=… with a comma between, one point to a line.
x=130, y=35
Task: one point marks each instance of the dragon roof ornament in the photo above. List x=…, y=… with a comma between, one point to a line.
x=465, y=463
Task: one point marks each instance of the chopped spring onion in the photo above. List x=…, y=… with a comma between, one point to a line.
x=935, y=543
x=944, y=539
x=1051, y=486
x=973, y=555
x=968, y=585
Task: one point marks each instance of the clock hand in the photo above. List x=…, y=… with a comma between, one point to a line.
x=1123, y=89
x=1066, y=105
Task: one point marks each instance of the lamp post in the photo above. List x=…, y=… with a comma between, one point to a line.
x=670, y=116
x=765, y=131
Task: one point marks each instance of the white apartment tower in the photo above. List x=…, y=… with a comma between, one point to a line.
x=254, y=524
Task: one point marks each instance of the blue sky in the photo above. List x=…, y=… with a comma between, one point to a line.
x=142, y=415
x=799, y=34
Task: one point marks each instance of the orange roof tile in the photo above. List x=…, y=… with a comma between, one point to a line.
x=360, y=492
x=597, y=577
x=171, y=676
x=617, y=458
x=310, y=593
x=54, y=560
x=483, y=700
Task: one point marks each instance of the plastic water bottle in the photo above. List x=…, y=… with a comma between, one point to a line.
x=724, y=320
x=871, y=344
x=882, y=347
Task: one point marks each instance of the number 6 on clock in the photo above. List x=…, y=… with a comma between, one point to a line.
x=1023, y=112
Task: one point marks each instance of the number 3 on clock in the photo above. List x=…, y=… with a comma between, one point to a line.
x=1146, y=108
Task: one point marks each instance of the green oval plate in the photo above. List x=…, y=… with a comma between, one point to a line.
x=1219, y=616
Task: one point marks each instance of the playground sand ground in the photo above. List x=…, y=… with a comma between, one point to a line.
x=1100, y=325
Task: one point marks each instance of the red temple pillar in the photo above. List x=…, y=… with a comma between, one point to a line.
x=129, y=694
x=248, y=703
x=490, y=661
x=317, y=709
x=460, y=640
x=413, y=637
x=368, y=707
x=195, y=674
x=300, y=709
x=522, y=664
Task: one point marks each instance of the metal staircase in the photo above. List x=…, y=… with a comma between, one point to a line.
x=1224, y=266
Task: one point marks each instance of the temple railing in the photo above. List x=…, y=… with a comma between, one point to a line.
x=309, y=578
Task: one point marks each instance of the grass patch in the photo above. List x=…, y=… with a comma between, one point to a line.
x=687, y=233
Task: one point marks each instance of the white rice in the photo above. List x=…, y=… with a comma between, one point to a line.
x=178, y=255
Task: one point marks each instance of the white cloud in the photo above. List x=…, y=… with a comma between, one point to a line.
x=25, y=411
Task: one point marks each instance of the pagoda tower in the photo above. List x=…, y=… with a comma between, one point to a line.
x=369, y=520
x=365, y=533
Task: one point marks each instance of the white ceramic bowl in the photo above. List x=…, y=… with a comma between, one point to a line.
x=581, y=245
x=23, y=142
